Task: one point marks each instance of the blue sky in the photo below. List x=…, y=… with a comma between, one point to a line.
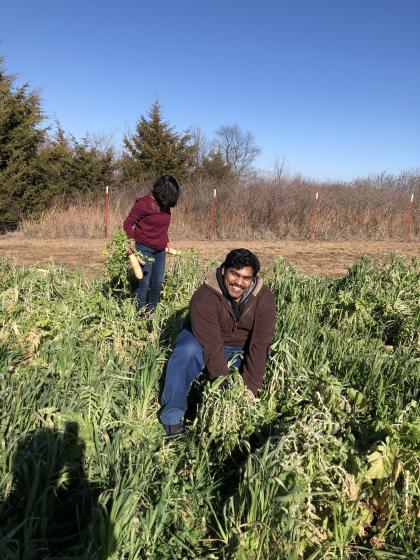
x=330, y=87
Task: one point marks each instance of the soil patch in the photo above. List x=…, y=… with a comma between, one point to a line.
x=326, y=258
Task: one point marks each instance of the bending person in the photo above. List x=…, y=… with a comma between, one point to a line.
x=147, y=227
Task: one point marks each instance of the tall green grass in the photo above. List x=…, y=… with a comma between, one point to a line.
x=324, y=464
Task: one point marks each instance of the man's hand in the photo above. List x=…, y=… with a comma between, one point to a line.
x=249, y=395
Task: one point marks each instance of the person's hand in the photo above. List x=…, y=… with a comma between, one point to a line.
x=131, y=246
x=172, y=251
x=249, y=395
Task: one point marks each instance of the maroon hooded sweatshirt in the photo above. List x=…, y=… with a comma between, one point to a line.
x=213, y=323
x=148, y=224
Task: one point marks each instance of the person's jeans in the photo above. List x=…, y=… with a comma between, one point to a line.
x=185, y=364
x=149, y=288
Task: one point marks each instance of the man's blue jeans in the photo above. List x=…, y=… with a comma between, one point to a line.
x=150, y=286
x=185, y=364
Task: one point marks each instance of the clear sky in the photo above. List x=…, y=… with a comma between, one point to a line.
x=330, y=87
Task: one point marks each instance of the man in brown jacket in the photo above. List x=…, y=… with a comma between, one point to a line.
x=232, y=313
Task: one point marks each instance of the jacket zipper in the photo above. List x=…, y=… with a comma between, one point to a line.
x=229, y=308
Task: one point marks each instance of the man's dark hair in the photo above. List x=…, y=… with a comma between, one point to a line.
x=166, y=191
x=238, y=258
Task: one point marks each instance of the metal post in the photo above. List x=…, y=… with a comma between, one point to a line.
x=313, y=218
x=106, y=211
x=213, y=216
x=410, y=218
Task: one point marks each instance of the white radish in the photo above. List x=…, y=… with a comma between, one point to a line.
x=136, y=266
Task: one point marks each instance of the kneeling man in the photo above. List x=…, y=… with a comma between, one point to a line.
x=233, y=312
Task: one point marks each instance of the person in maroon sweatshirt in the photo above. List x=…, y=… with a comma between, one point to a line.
x=147, y=227
x=231, y=314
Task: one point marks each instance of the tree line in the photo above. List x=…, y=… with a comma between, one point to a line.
x=39, y=164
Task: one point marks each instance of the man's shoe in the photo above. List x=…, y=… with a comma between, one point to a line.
x=173, y=430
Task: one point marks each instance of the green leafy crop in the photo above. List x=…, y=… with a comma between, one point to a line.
x=324, y=464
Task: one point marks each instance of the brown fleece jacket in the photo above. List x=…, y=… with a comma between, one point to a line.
x=213, y=323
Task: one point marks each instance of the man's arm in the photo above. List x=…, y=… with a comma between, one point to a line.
x=204, y=318
x=261, y=337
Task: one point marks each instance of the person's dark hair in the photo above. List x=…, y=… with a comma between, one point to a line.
x=166, y=191
x=238, y=258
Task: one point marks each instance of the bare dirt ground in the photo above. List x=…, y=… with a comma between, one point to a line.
x=326, y=258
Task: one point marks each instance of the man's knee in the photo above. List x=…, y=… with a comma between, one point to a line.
x=188, y=349
x=191, y=348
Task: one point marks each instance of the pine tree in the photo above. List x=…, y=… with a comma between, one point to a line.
x=215, y=168
x=55, y=159
x=72, y=167
x=20, y=138
x=155, y=148
x=92, y=166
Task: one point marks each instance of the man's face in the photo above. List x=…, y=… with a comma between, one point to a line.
x=237, y=280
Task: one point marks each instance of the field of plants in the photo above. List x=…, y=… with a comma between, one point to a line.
x=324, y=465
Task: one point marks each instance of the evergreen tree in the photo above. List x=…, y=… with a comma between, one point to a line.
x=215, y=168
x=155, y=148
x=20, y=138
x=55, y=162
x=92, y=166
x=71, y=167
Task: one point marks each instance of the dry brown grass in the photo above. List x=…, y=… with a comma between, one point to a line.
x=255, y=209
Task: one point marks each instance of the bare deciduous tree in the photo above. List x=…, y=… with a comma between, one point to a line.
x=237, y=147
x=201, y=144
